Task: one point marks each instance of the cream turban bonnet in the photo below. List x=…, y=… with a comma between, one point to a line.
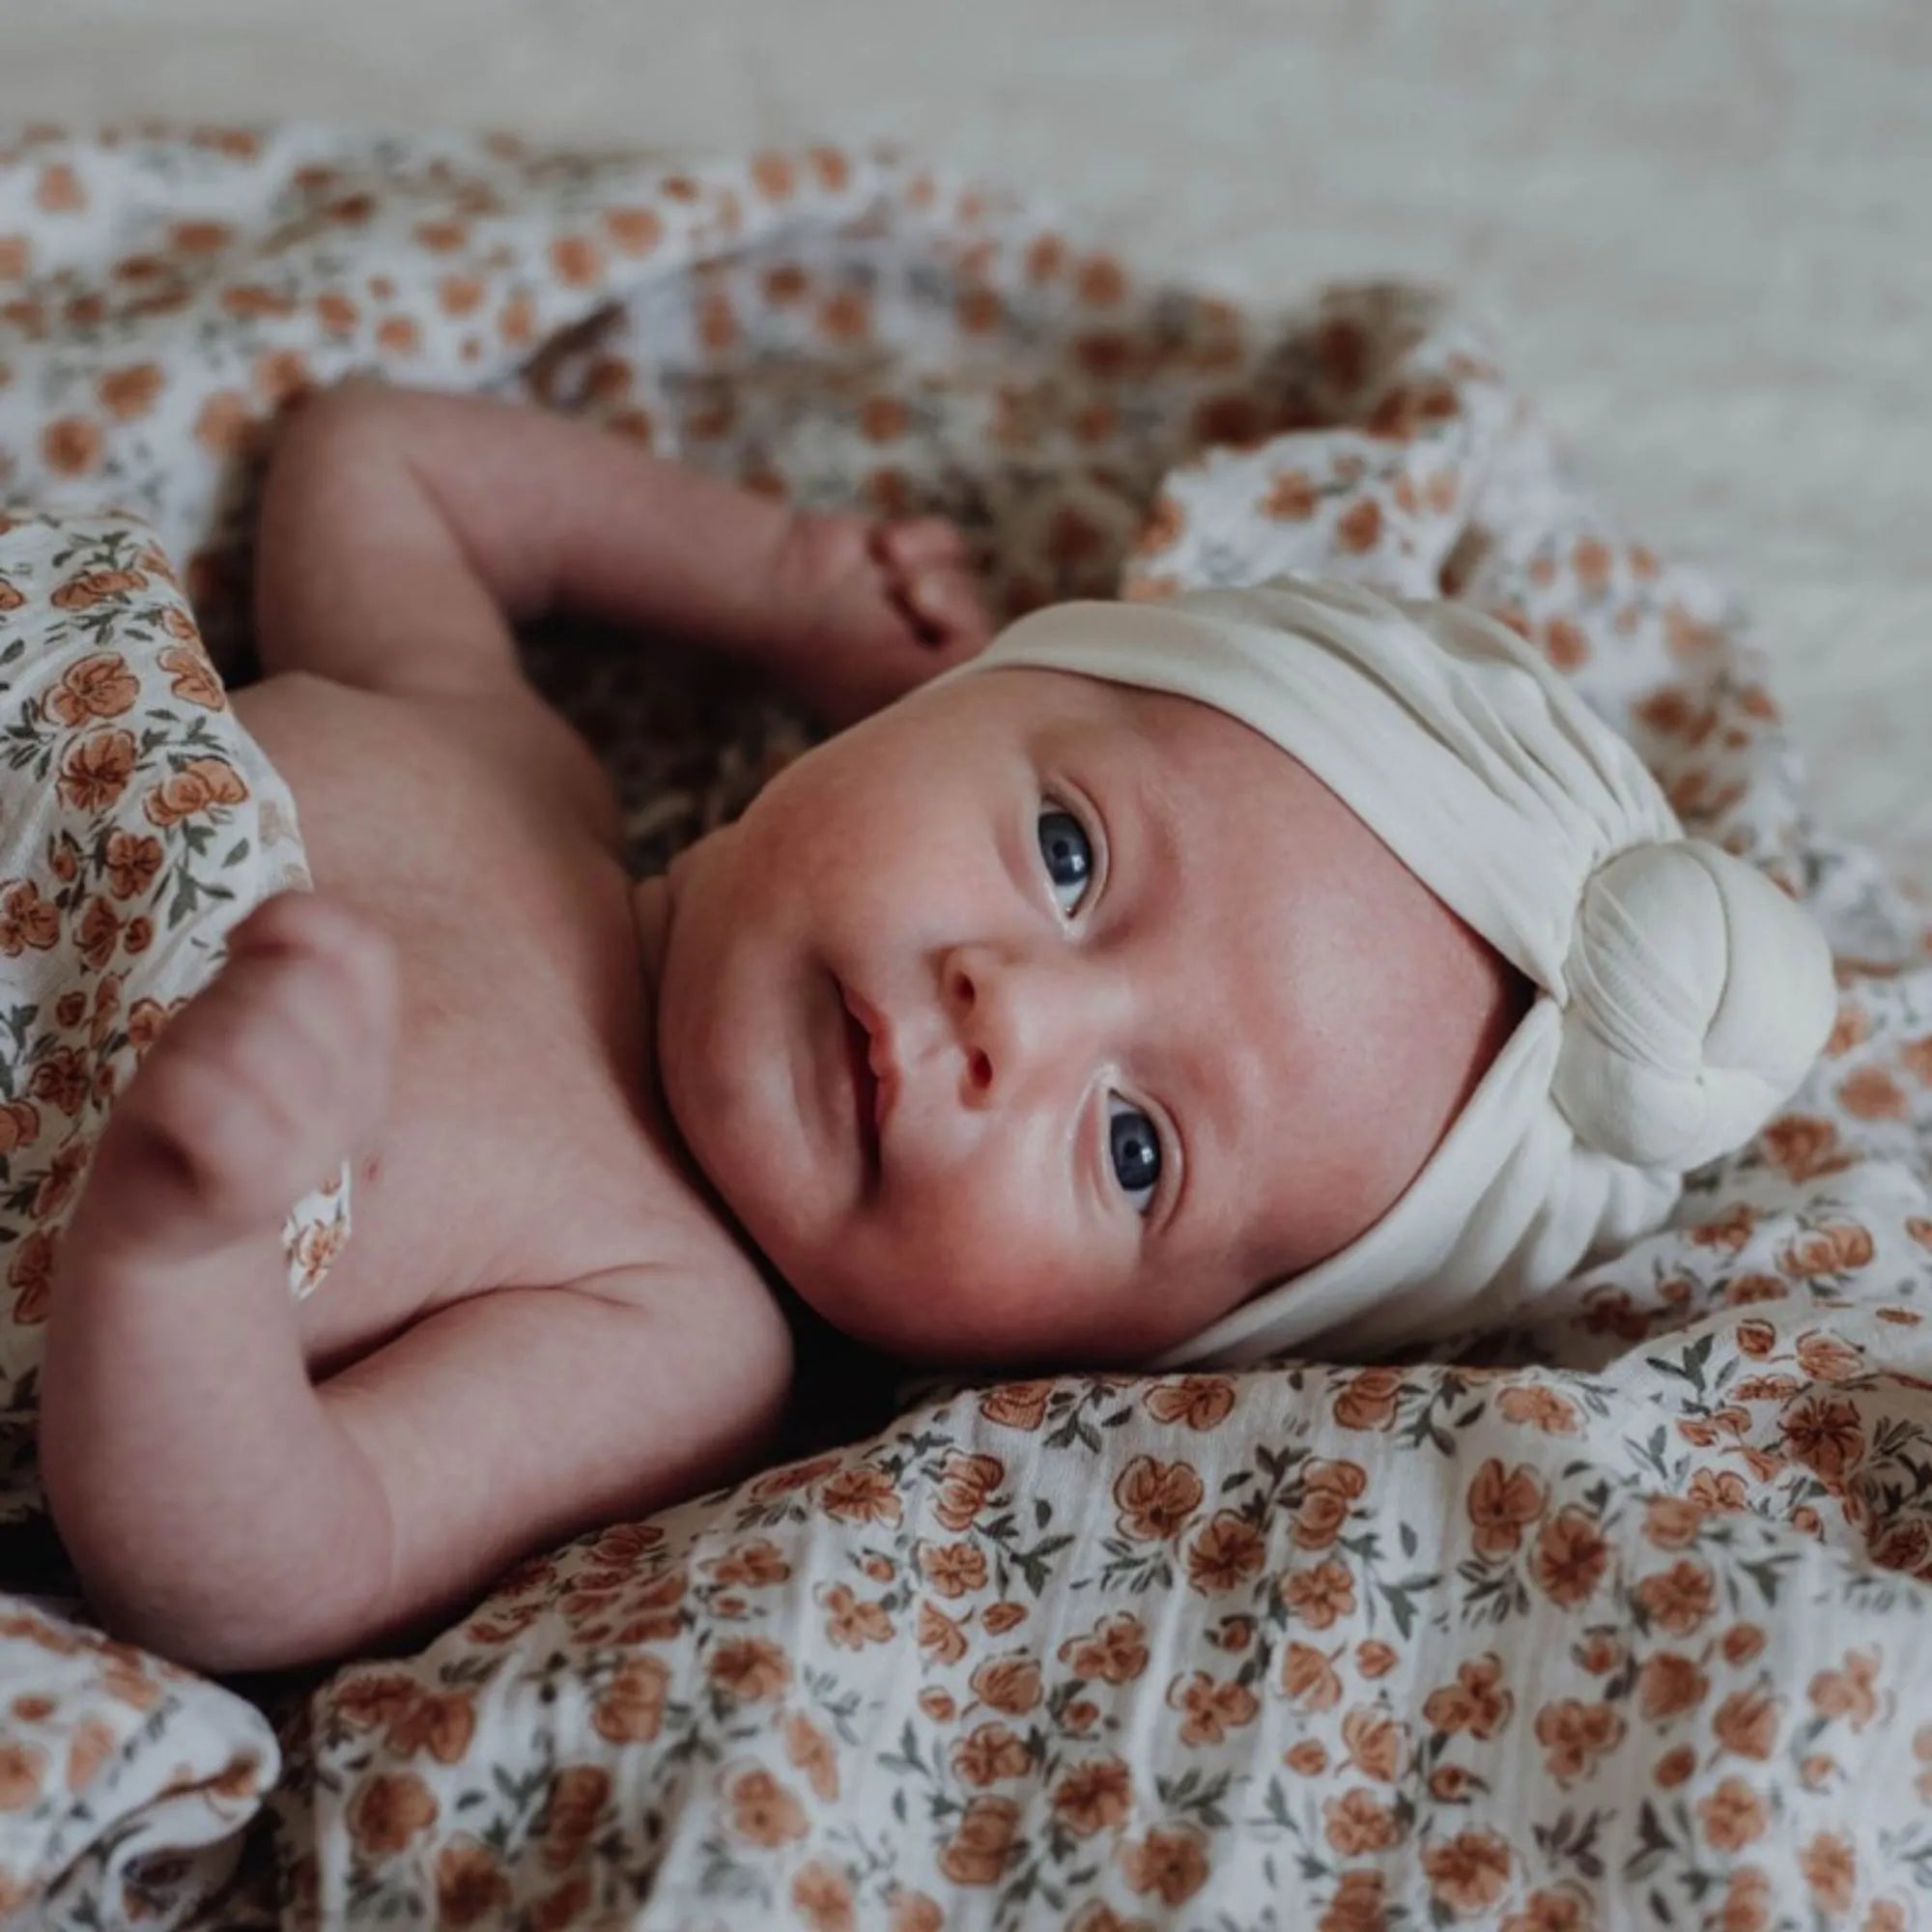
x=1681, y=999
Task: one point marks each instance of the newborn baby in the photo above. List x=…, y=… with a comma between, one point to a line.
x=1045, y=1015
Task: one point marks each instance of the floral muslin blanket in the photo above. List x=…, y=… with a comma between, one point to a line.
x=1622, y=1617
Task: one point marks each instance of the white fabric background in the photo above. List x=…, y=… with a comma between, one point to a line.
x=1703, y=230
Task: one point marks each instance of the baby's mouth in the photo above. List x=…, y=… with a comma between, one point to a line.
x=865, y=1083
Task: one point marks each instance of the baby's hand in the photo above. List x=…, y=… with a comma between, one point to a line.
x=880, y=608
x=273, y=1074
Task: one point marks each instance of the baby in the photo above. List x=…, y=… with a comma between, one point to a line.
x=1043, y=1016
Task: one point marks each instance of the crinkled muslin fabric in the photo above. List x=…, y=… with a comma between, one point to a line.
x=1681, y=996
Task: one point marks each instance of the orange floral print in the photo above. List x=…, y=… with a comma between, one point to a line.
x=1502, y=1505
x=388, y=1811
x=1009, y=1685
x=1115, y=1652
x=764, y=1811
x=1155, y=1499
x=632, y=1706
x=1368, y=1399
x=1169, y=1862
x=982, y=1844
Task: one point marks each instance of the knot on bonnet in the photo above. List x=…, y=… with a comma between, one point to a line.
x=1681, y=996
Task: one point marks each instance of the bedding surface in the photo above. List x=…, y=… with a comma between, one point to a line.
x=1625, y=1611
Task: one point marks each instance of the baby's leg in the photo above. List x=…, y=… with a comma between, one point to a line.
x=181, y=1440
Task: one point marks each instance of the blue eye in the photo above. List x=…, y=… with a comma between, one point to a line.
x=1133, y=1144
x=1068, y=855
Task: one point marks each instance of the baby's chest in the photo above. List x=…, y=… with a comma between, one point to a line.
x=519, y=1147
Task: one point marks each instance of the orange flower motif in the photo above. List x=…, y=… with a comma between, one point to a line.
x=1839, y=1248
x=1212, y=1710
x=1155, y=1500
x=1849, y=1692
x=99, y=686
x=1826, y=1358
x=26, y=919
x=1598, y=1652
x=996, y=1619
x=63, y=1078
x=1359, y=1821
x=30, y=1274
x=193, y=677
x=1169, y=1860
x=1307, y=1759
x=763, y=1811
x=1565, y=1909
x=1226, y=1555
x=1094, y=1797
x=1801, y=1147
x=1357, y=1905
x=982, y=1845
x=199, y=786
x=1292, y=500
x=1017, y=1404
x=1733, y=1816
x=22, y=1771
x=1680, y=1598
x=1360, y=528
x=914, y=1911
x=1377, y=1743
x=1831, y=1869
x=965, y=1486
x=1670, y=1684
x=749, y=1668
x=1320, y=1595
x=1308, y=1678
x=757, y=1565
x=1538, y=1407
x=93, y=1744
x=823, y=1897
x=1915, y=1056
x=388, y=1811
x=1475, y=1702
x=1367, y=1399
x=1746, y=1724
x=809, y=1750
x=1376, y=1658
x=1733, y=1229
x=952, y=1568
x=630, y=1707
x=1824, y=1434
x=1469, y=1873
x=1502, y=1505
x=632, y=231
x=578, y=1798
x=851, y=1622
x=938, y=1635
x=71, y=447
x=1329, y=1491
x=1574, y=1736
x=96, y=935
x=1571, y=1558
x=471, y=1888
x=988, y=1753
x=1008, y=1684
x=1200, y=1402
x=128, y=394
x=1115, y=1652
x=132, y=863
x=1871, y=1094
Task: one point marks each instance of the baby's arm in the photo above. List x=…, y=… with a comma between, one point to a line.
x=221, y=1509
x=404, y=533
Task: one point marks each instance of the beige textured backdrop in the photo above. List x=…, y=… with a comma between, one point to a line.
x=1702, y=228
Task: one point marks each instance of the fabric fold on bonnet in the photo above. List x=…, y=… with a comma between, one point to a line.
x=1681, y=995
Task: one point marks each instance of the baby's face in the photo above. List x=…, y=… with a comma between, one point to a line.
x=1043, y=1019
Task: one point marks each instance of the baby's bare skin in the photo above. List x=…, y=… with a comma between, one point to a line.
x=541, y=1321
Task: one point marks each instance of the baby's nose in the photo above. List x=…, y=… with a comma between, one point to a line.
x=1021, y=1023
